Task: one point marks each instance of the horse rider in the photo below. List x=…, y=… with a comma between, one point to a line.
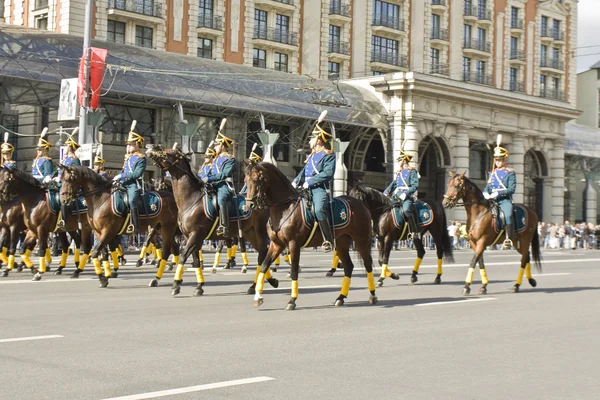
x=42, y=168
x=500, y=187
x=317, y=176
x=131, y=177
x=72, y=160
x=7, y=150
x=403, y=188
x=254, y=159
x=221, y=177
x=209, y=156
x=99, y=167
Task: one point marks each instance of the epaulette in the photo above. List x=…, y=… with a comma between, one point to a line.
x=140, y=154
x=510, y=169
x=48, y=158
x=328, y=151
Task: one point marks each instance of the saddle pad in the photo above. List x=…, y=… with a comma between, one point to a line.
x=424, y=213
x=211, y=210
x=53, y=202
x=152, y=204
x=521, y=219
x=341, y=213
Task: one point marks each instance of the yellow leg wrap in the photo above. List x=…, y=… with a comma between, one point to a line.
x=97, y=268
x=158, y=254
x=77, y=255
x=469, y=279
x=277, y=261
x=143, y=252
x=234, y=250
x=528, y=270
x=199, y=275
x=286, y=258
x=268, y=275
x=200, y=255
x=520, y=277
x=484, y=278
x=161, y=269
x=11, y=261
x=3, y=255
x=336, y=260
x=439, y=271
x=257, y=272
x=245, y=258
x=84, y=260
x=115, y=260
x=63, y=259
x=42, y=268
x=120, y=250
x=260, y=282
x=345, y=286
x=371, y=281
x=179, y=272
x=48, y=256
x=228, y=253
x=294, y=289
x=385, y=272
x=25, y=258
x=176, y=260
x=217, y=260
x=417, y=264
x=150, y=249
x=107, y=271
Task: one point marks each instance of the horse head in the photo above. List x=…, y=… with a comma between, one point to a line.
x=6, y=179
x=455, y=190
x=70, y=185
x=256, y=184
x=166, y=158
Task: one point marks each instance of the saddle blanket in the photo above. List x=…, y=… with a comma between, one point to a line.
x=151, y=204
x=341, y=214
x=521, y=218
x=53, y=201
x=211, y=209
x=424, y=213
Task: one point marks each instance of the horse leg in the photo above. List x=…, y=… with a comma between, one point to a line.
x=63, y=243
x=101, y=246
x=385, y=249
x=43, y=246
x=190, y=247
x=147, y=246
x=363, y=245
x=525, y=268
x=439, y=249
x=82, y=252
x=26, y=250
x=244, y=255
x=4, y=241
x=484, y=278
x=76, y=236
x=272, y=253
x=420, y=254
x=334, y=264
x=478, y=248
x=276, y=264
x=295, y=258
x=112, y=248
x=262, y=256
x=163, y=257
x=231, y=253
x=217, y=257
x=343, y=247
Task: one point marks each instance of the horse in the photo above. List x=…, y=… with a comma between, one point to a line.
x=481, y=232
x=12, y=225
x=191, y=194
x=268, y=188
x=107, y=224
x=387, y=232
x=40, y=220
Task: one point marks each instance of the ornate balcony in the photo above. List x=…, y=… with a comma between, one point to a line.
x=477, y=77
x=276, y=35
x=390, y=58
x=142, y=7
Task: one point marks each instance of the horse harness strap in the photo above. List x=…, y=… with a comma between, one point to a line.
x=479, y=218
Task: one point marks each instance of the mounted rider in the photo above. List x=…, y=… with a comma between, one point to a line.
x=253, y=159
x=501, y=186
x=42, y=168
x=99, y=167
x=403, y=188
x=131, y=177
x=317, y=176
x=209, y=156
x=221, y=177
x=71, y=160
x=7, y=150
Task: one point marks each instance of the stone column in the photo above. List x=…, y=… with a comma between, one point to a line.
x=591, y=201
x=516, y=160
x=410, y=141
x=340, y=178
x=558, y=181
x=395, y=139
x=461, y=164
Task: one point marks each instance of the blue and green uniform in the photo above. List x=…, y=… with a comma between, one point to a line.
x=318, y=173
x=204, y=170
x=220, y=171
x=504, y=182
x=103, y=174
x=69, y=161
x=132, y=177
x=42, y=167
x=10, y=164
x=407, y=181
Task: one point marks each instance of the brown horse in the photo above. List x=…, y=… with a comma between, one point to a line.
x=269, y=188
x=107, y=225
x=40, y=220
x=387, y=232
x=189, y=194
x=481, y=233
x=12, y=225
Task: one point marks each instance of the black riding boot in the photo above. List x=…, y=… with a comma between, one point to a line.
x=510, y=232
x=135, y=220
x=327, y=235
x=64, y=212
x=412, y=223
x=223, y=229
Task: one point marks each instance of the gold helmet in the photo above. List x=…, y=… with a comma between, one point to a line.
x=319, y=132
x=254, y=158
x=72, y=143
x=404, y=156
x=98, y=160
x=210, y=153
x=499, y=151
x=135, y=137
x=43, y=143
x=222, y=139
x=7, y=147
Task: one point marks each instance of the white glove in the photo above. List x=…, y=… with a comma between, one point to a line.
x=117, y=177
x=57, y=179
x=494, y=195
x=305, y=185
x=205, y=179
x=486, y=195
x=47, y=180
x=403, y=196
x=294, y=184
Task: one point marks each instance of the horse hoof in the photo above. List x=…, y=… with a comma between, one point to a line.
x=532, y=282
x=395, y=276
x=244, y=269
x=213, y=271
x=437, y=281
x=58, y=271
x=251, y=290
x=33, y=270
x=153, y=283
x=20, y=267
x=198, y=292
x=330, y=272
x=373, y=300
x=139, y=263
x=153, y=262
x=414, y=279
x=290, y=306
x=176, y=290
x=115, y=274
x=169, y=267
x=5, y=273
x=273, y=282
x=75, y=274
x=515, y=288
x=339, y=303
x=274, y=269
x=483, y=290
x=466, y=291
x=37, y=277
x=259, y=302
x=380, y=282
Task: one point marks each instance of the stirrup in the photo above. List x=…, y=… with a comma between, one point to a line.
x=507, y=244
x=61, y=224
x=130, y=228
x=327, y=247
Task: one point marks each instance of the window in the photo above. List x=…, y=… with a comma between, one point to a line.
x=480, y=66
x=384, y=50
x=333, y=70
x=555, y=53
x=478, y=164
x=556, y=29
x=435, y=26
x=205, y=48
x=260, y=24
x=205, y=13
x=335, y=33
x=143, y=36
x=467, y=35
x=514, y=17
x=555, y=84
x=435, y=61
x=377, y=73
x=466, y=68
x=481, y=34
x=514, y=73
x=543, y=84
x=259, y=58
x=514, y=47
x=386, y=14
x=115, y=31
x=544, y=28
x=543, y=52
x=281, y=62
x=42, y=22
x=282, y=28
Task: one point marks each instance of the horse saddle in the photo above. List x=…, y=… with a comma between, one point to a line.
x=424, y=214
x=150, y=207
x=341, y=213
x=53, y=201
x=211, y=208
x=520, y=216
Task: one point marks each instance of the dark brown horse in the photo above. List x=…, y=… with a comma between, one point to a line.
x=387, y=232
x=12, y=225
x=189, y=193
x=269, y=188
x=40, y=220
x=107, y=225
x=481, y=232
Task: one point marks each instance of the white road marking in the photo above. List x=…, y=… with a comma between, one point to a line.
x=586, y=260
x=191, y=389
x=440, y=303
x=23, y=339
x=304, y=287
x=45, y=281
x=555, y=274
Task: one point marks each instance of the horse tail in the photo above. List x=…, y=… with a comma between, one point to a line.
x=446, y=244
x=536, y=252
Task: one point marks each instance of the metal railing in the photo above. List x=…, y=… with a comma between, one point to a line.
x=552, y=63
x=440, y=34
x=552, y=94
x=389, y=22
x=439, y=68
x=482, y=13
x=138, y=6
x=210, y=21
x=276, y=35
x=333, y=76
x=517, y=55
x=477, y=77
x=438, y=2
x=515, y=86
x=337, y=7
x=259, y=63
x=335, y=46
x=290, y=2
x=389, y=57
x=555, y=34
x=477, y=44
x=38, y=4
x=516, y=23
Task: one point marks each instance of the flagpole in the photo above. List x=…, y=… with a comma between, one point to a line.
x=84, y=135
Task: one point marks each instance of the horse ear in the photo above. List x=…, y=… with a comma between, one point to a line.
x=463, y=174
x=451, y=174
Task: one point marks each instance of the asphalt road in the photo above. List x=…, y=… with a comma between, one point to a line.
x=420, y=341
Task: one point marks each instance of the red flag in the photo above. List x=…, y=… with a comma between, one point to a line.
x=97, y=64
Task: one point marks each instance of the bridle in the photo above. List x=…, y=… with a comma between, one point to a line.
x=259, y=199
x=6, y=193
x=459, y=194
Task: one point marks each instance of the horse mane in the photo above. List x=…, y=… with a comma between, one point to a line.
x=188, y=170
x=473, y=188
x=27, y=178
x=367, y=194
x=91, y=175
x=270, y=168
